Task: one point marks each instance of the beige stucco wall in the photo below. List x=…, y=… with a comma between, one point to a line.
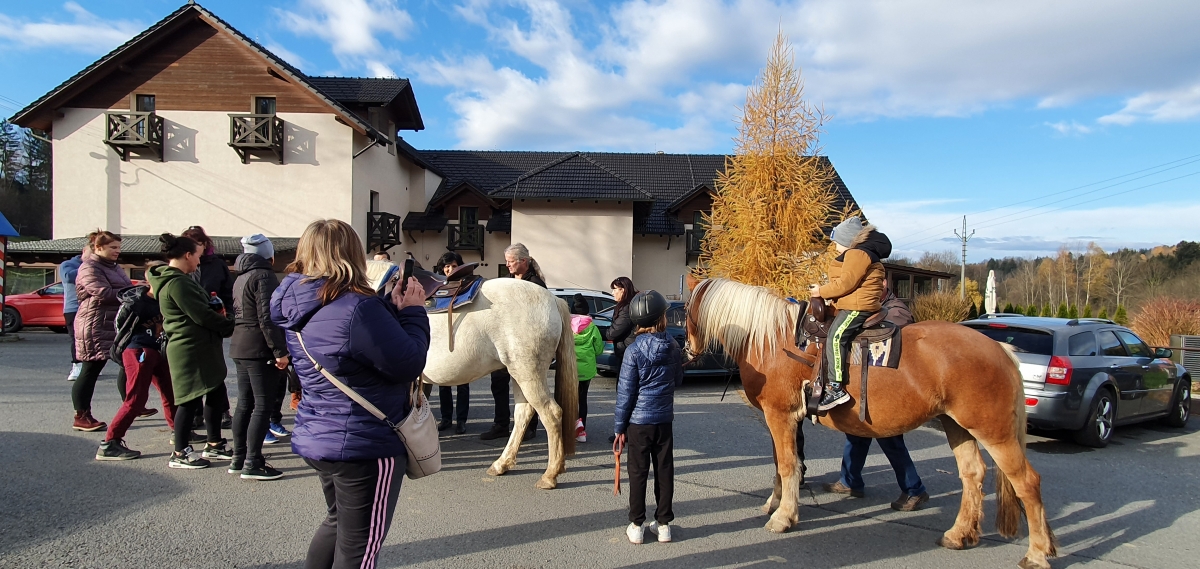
x=202, y=181
x=427, y=247
x=577, y=245
x=656, y=267
x=393, y=176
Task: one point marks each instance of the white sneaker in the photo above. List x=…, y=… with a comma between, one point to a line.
x=663, y=531
x=634, y=533
x=75, y=369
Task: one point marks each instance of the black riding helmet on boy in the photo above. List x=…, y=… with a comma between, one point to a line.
x=647, y=307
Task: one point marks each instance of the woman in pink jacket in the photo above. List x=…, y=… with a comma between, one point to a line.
x=97, y=284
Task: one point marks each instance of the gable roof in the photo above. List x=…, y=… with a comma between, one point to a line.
x=662, y=180
x=370, y=91
x=133, y=246
x=37, y=114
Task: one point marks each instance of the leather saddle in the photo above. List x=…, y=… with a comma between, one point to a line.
x=816, y=322
x=457, y=290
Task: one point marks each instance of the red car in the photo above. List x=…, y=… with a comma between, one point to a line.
x=42, y=307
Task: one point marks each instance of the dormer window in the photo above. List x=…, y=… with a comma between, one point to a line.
x=143, y=103
x=264, y=105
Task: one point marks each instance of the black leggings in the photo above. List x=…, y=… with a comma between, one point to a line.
x=215, y=403
x=500, y=393
x=257, y=382
x=583, y=389
x=85, y=385
x=277, y=394
x=651, y=445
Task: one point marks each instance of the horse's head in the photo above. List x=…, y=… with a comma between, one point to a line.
x=694, y=346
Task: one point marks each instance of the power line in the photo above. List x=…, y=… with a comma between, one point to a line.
x=938, y=226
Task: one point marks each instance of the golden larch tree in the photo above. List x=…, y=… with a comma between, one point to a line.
x=776, y=198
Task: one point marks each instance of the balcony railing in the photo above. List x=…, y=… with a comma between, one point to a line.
x=133, y=131
x=383, y=231
x=694, y=239
x=465, y=238
x=255, y=134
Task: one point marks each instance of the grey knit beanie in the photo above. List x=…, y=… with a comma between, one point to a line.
x=258, y=244
x=846, y=231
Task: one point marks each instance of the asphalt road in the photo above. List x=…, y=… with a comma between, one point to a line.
x=1133, y=504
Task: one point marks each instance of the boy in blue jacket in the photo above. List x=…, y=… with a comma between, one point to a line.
x=650, y=372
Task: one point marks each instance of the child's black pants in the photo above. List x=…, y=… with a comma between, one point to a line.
x=647, y=444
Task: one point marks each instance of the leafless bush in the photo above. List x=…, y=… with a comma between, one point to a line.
x=1161, y=317
x=945, y=306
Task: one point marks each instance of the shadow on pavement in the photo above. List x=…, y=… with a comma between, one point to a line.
x=52, y=487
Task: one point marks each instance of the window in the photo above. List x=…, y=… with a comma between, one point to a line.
x=264, y=105
x=1137, y=348
x=374, y=201
x=143, y=103
x=1082, y=344
x=1110, y=345
x=603, y=303
x=468, y=216
x=1022, y=341
x=677, y=317
x=903, y=287
x=56, y=288
x=503, y=272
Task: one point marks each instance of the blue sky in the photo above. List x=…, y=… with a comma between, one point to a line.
x=1048, y=124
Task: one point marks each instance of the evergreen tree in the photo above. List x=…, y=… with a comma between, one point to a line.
x=1073, y=312
x=1046, y=311
x=1087, y=311
x=1121, y=318
x=1031, y=310
x=973, y=313
x=774, y=202
x=1008, y=308
x=1062, y=310
x=1103, y=314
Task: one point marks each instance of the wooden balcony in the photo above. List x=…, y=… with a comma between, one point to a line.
x=251, y=134
x=465, y=238
x=134, y=132
x=383, y=231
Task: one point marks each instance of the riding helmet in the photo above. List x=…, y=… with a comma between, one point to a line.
x=647, y=307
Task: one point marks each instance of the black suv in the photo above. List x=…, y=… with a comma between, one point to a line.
x=1088, y=375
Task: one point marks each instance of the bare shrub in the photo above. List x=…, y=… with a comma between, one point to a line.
x=945, y=306
x=1161, y=317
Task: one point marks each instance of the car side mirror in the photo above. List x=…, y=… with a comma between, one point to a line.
x=1164, y=353
x=41, y=292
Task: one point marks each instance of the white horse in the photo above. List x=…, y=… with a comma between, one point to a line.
x=521, y=326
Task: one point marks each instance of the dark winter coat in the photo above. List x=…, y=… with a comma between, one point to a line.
x=213, y=275
x=368, y=344
x=97, y=284
x=652, y=369
x=194, y=332
x=621, y=331
x=256, y=337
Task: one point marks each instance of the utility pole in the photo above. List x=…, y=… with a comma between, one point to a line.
x=964, y=236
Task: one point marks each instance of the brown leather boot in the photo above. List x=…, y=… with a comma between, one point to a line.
x=84, y=421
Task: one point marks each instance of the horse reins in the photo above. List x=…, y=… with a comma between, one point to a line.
x=617, y=448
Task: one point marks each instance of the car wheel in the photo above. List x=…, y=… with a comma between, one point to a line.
x=1098, y=428
x=1181, y=406
x=12, y=319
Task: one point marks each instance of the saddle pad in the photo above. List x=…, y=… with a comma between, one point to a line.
x=883, y=353
x=440, y=300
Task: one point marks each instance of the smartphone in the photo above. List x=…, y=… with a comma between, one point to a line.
x=408, y=273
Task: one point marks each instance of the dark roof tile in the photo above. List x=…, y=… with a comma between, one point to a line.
x=360, y=90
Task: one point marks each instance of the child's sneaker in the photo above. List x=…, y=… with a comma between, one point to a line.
x=279, y=430
x=634, y=533
x=663, y=531
x=580, y=432
x=217, y=451
x=270, y=438
x=116, y=450
x=187, y=459
x=263, y=472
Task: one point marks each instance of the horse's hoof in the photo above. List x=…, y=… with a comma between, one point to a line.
x=493, y=471
x=1028, y=563
x=776, y=526
x=766, y=508
x=949, y=543
x=544, y=484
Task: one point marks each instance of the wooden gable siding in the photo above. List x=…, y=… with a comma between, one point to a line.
x=700, y=202
x=197, y=68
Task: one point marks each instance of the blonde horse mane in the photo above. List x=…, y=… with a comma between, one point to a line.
x=742, y=319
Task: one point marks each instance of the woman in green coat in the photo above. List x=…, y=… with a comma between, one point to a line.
x=194, y=332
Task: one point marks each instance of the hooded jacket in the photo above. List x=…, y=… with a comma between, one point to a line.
x=255, y=336
x=193, y=330
x=588, y=345
x=68, y=271
x=856, y=276
x=97, y=284
x=369, y=345
x=621, y=331
x=650, y=372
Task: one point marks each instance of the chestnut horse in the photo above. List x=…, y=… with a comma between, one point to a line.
x=947, y=371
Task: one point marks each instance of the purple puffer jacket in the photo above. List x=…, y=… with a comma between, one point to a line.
x=366, y=343
x=97, y=284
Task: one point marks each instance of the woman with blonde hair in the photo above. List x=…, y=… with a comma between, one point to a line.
x=377, y=347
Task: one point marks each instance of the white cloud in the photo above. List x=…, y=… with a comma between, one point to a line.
x=86, y=32
x=352, y=27
x=673, y=71
x=286, y=55
x=1067, y=128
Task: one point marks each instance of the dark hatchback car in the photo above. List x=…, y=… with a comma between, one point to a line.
x=1089, y=375
x=712, y=363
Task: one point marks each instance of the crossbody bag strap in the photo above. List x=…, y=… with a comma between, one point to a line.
x=350, y=392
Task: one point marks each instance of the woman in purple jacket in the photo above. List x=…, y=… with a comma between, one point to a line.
x=99, y=280
x=375, y=346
